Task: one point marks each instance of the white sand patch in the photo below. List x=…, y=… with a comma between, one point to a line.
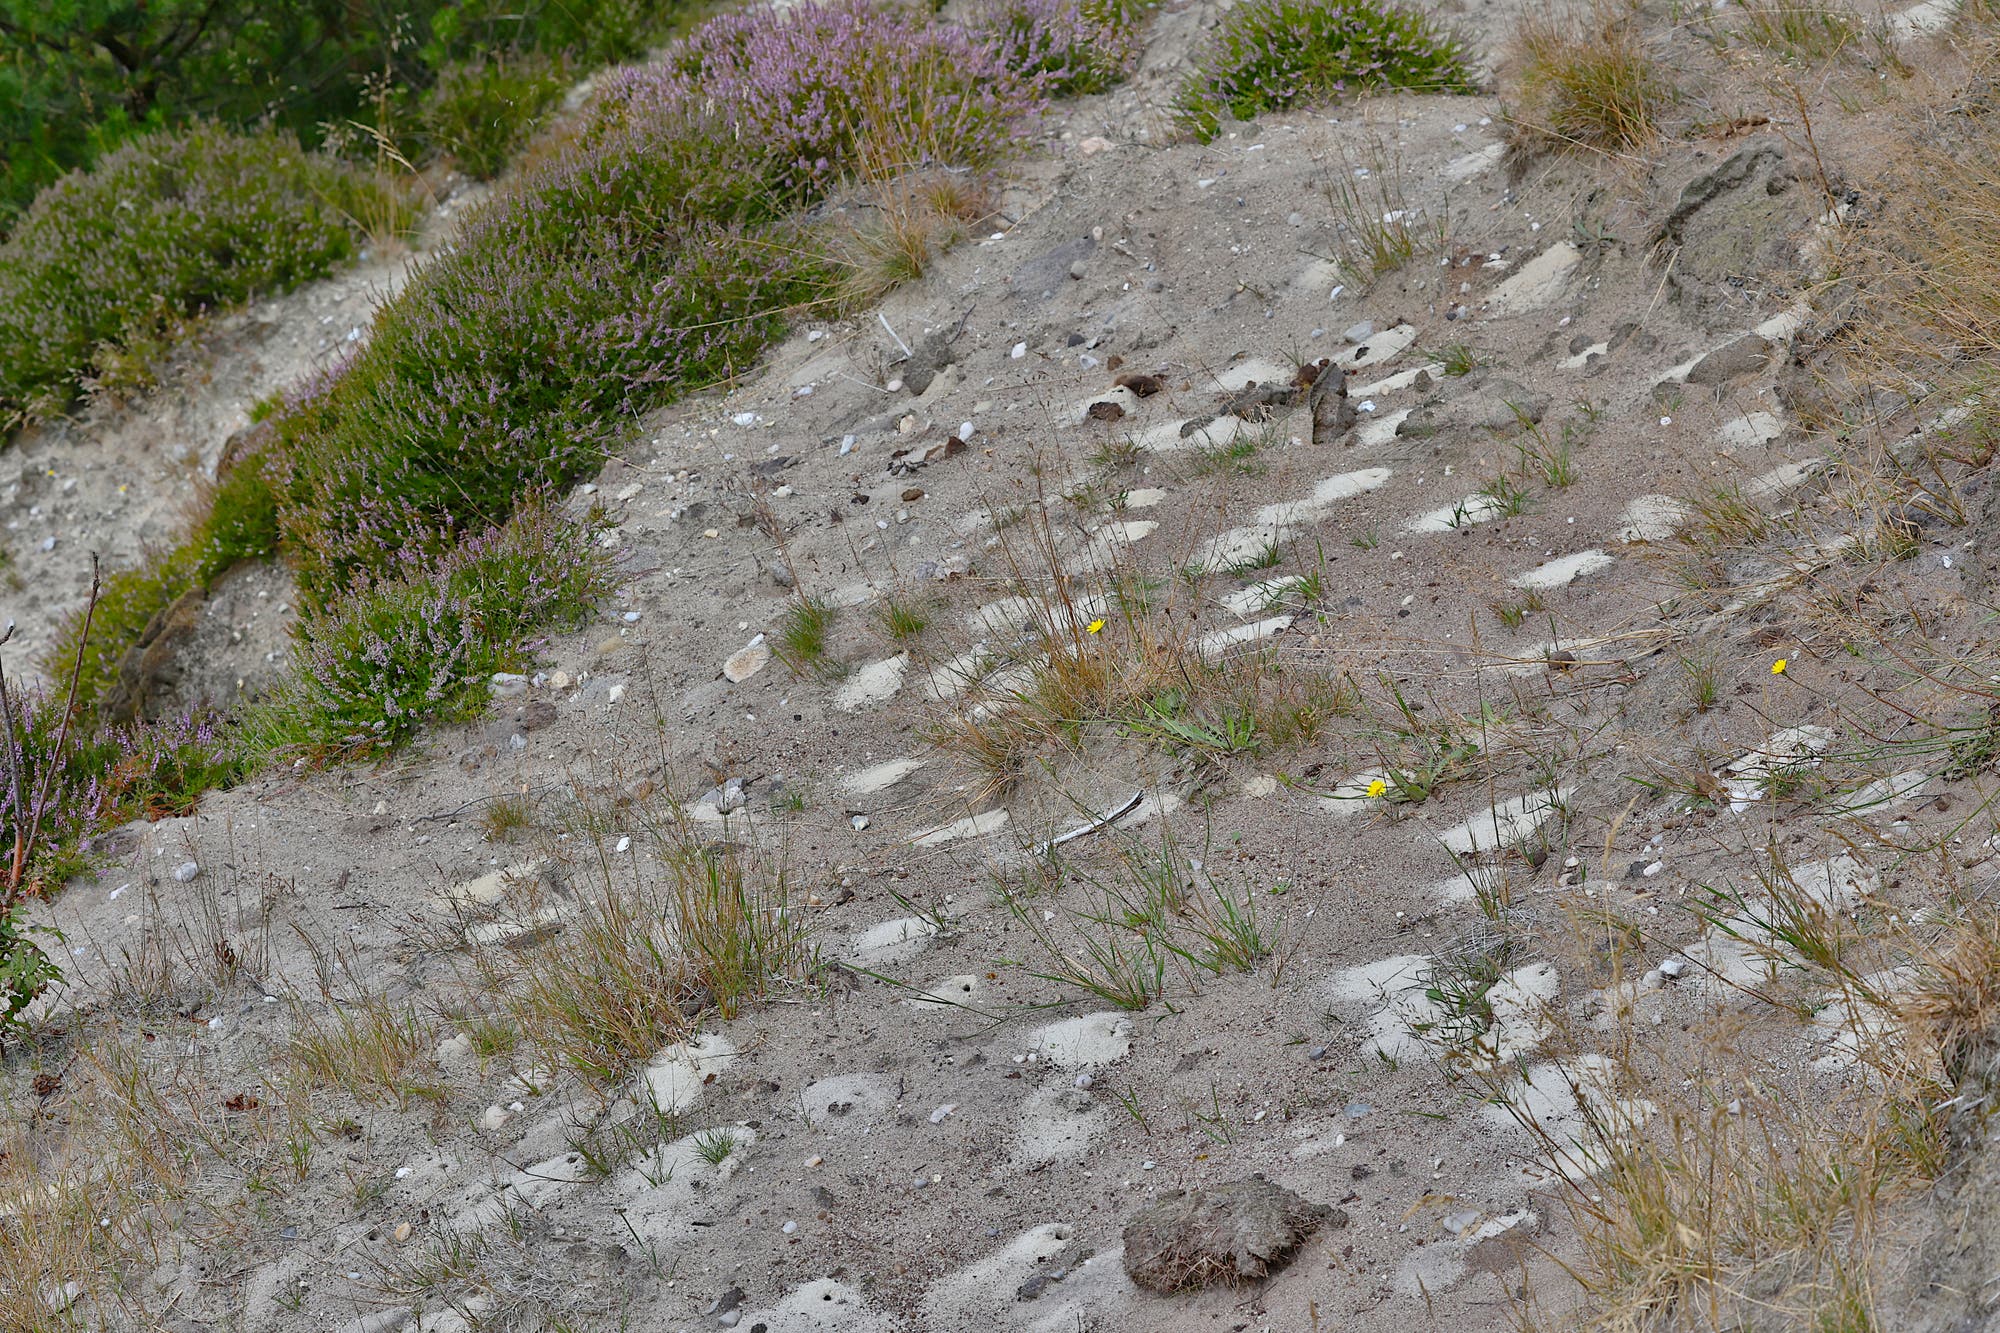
x=1214, y=646
x=1579, y=1107
x=1478, y=507
x=1393, y=991
x=1351, y=795
x=849, y=1103
x=972, y=826
x=1238, y=547
x=873, y=685
x=1089, y=1042
x=492, y=886
x=1539, y=282
x=1168, y=436
x=892, y=941
x=1782, y=480
x=879, y=777
x=954, y=678
x=1563, y=570
x=1521, y=1001
x=1325, y=495
x=1788, y=751
x=673, y=1080
x=1079, y=413
x=1505, y=824
x=1384, y=346
x=1058, y=1124
x=1750, y=430
x=1783, y=325
x=1378, y=431
x=821, y=1306
x=1008, y=615
x=747, y=661
x=949, y=993
x=1651, y=518
x=1883, y=794
x=1471, y=164
x=1102, y=550
x=1252, y=371
x=1261, y=596
x=1397, y=382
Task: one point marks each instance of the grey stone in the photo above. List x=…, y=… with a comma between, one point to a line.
x=1221, y=1233
x=1743, y=356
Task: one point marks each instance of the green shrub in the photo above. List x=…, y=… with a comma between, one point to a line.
x=651, y=254
x=79, y=77
x=480, y=111
x=111, y=261
x=1270, y=55
x=374, y=666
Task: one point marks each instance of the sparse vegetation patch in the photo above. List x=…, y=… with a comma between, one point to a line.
x=1270, y=55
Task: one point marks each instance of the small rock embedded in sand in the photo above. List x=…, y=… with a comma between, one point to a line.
x=747, y=661
x=186, y=871
x=1236, y=1232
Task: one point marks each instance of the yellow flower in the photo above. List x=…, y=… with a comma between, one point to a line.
x=1094, y=626
x=1778, y=667
x=1377, y=787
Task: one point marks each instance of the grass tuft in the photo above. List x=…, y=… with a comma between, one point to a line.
x=638, y=965
x=1583, y=79
x=1270, y=55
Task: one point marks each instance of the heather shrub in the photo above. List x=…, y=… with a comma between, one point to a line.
x=422, y=644
x=823, y=91
x=1270, y=55
x=31, y=764
x=1067, y=47
x=649, y=255
x=480, y=111
x=155, y=770
x=171, y=225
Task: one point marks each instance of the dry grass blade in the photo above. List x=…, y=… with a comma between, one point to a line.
x=1584, y=79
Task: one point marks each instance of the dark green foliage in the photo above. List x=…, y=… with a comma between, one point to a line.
x=111, y=261
x=1270, y=55
x=422, y=645
x=480, y=111
x=78, y=77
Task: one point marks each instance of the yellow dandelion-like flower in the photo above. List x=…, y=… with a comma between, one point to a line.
x=1778, y=667
x=1376, y=788
x=1094, y=626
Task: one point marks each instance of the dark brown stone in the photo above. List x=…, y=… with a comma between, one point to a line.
x=1238, y=1232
